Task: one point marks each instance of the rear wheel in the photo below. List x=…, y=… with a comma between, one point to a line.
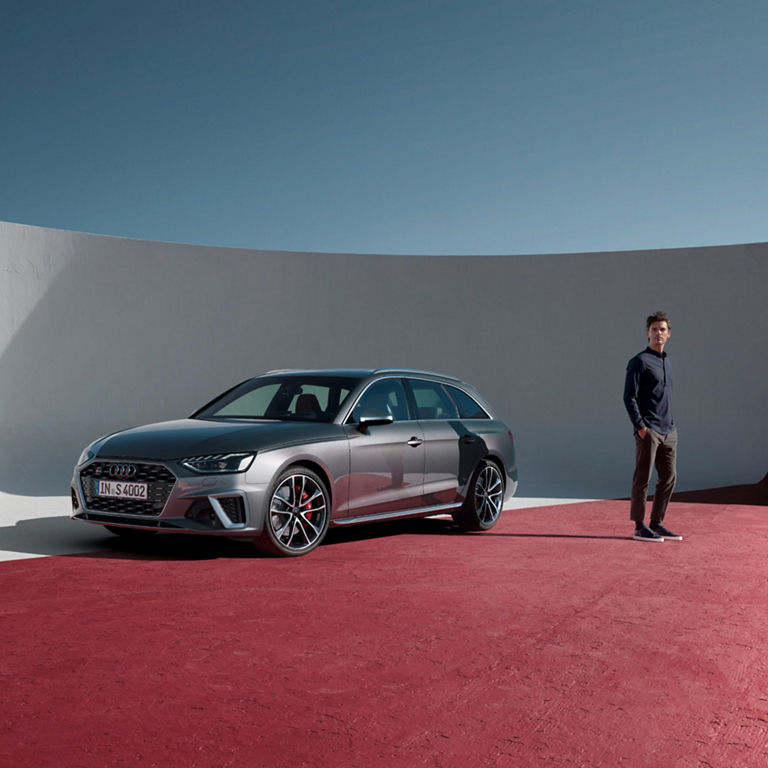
x=485, y=499
x=298, y=515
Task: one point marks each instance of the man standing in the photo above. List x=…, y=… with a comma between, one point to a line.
x=647, y=397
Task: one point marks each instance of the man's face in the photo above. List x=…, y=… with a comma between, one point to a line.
x=658, y=334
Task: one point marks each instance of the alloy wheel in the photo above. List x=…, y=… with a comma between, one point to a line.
x=298, y=513
x=489, y=494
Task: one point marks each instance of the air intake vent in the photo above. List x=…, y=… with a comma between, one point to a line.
x=233, y=508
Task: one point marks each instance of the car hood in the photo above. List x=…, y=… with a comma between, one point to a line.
x=200, y=437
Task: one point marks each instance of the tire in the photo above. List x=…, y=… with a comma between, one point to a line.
x=298, y=514
x=130, y=534
x=485, y=499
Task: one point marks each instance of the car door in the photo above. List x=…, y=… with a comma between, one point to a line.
x=387, y=459
x=452, y=450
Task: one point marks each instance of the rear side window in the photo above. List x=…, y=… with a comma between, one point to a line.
x=432, y=402
x=468, y=407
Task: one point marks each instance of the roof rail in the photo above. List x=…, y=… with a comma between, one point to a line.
x=416, y=371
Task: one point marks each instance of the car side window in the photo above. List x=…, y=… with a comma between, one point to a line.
x=468, y=407
x=432, y=402
x=386, y=396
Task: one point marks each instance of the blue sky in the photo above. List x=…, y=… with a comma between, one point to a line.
x=405, y=126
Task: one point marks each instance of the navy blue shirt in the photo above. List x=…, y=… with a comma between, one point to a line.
x=648, y=391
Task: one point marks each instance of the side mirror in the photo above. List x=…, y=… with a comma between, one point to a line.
x=373, y=418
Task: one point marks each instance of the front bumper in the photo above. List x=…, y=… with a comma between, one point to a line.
x=178, y=500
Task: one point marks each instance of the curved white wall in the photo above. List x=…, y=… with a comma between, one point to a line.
x=99, y=333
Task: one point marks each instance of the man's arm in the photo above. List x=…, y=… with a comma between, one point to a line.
x=631, y=388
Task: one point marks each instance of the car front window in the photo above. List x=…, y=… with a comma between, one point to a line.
x=251, y=404
x=283, y=398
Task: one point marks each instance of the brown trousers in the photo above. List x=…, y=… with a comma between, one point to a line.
x=659, y=451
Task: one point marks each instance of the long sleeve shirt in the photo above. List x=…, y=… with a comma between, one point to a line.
x=648, y=391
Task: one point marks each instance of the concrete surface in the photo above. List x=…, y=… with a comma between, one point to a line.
x=101, y=333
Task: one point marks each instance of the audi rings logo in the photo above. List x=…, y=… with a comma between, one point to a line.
x=123, y=471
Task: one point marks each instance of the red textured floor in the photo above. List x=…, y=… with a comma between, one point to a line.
x=552, y=640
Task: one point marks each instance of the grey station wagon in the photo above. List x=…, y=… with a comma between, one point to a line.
x=281, y=457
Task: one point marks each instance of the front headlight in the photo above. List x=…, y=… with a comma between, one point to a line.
x=86, y=455
x=220, y=462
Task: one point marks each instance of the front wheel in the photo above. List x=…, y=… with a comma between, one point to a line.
x=485, y=499
x=298, y=515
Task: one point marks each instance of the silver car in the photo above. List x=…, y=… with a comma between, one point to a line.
x=281, y=457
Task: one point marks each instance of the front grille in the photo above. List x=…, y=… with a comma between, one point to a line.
x=160, y=481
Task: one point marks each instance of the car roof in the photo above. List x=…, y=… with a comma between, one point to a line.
x=359, y=373
x=362, y=372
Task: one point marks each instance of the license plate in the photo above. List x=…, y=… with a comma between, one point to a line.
x=121, y=490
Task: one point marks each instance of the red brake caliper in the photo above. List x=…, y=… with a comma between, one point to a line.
x=304, y=497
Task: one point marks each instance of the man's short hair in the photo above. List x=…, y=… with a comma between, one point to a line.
x=657, y=317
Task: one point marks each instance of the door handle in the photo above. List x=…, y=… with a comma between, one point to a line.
x=414, y=442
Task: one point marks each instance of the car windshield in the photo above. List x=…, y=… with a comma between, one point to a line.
x=282, y=398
